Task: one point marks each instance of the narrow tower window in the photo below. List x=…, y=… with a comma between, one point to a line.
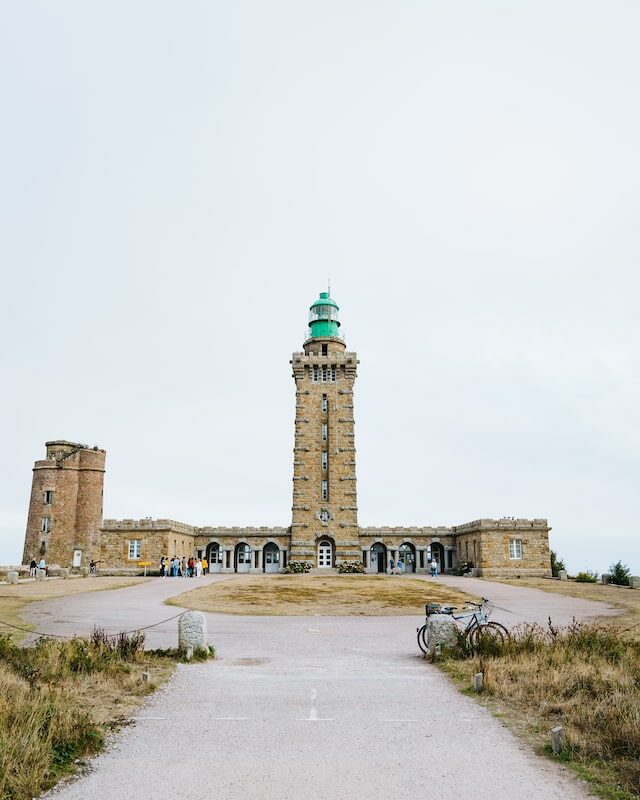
x=325, y=403
x=45, y=524
x=48, y=497
x=314, y=373
x=325, y=490
x=324, y=350
x=334, y=374
x=325, y=432
x=325, y=461
x=325, y=373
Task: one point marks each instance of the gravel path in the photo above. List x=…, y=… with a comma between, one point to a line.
x=315, y=708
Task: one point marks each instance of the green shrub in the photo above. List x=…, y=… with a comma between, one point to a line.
x=587, y=577
x=352, y=567
x=556, y=564
x=619, y=574
x=298, y=566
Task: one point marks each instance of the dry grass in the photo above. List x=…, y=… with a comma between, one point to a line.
x=585, y=678
x=59, y=698
x=618, y=596
x=331, y=595
x=14, y=597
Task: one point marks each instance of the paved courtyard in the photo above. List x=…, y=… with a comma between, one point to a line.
x=311, y=708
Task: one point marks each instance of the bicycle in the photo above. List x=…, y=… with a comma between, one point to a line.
x=477, y=628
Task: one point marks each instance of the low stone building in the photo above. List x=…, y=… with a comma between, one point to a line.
x=65, y=512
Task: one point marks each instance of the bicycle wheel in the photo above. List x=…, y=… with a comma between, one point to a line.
x=423, y=639
x=487, y=634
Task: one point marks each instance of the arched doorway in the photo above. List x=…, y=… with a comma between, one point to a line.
x=214, y=557
x=437, y=552
x=325, y=554
x=242, y=557
x=407, y=555
x=378, y=557
x=271, y=557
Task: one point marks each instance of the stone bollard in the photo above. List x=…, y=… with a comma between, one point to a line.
x=478, y=681
x=192, y=631
x=634, y=581
x=64, y=572
x=12, y=577
x=562, y=574
x=84, y=571
x=41, y=574
x=442, y=632
x=557, y=740
x=605, y=578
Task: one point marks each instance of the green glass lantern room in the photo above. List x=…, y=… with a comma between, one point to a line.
x=323, y=319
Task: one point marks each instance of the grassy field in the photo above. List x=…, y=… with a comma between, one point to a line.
x=60, y=698
x=14, y=597
x=585, y=677
x=331, y=595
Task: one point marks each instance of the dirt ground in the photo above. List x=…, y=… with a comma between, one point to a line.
x=619, y=596
x=319, y=595
x=14, y=597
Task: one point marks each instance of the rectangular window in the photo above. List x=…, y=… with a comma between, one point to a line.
x=325, y=348
x=325, y=461
x=45, y=524
x=48, y=497
x=325, y=373
x=325, y=490
x=334, y=374
x=325, y=402
x=135, y=548
x=325, y=432
x=515, y=548
x=314, y=373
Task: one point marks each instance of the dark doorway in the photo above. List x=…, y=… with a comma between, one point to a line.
x=379, y=557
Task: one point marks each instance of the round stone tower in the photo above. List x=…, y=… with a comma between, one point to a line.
x=65, y=509
x=324, y=527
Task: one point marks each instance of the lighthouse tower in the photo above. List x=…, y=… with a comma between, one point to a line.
x=324, y=528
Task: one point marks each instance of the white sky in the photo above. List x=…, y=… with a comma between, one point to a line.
x=178, y=180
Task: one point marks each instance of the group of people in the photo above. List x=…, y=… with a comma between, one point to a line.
x=184, y=568
x=397, y=567
x=33, y=566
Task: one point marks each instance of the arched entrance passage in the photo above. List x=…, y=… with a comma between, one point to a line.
x=407, y=555
x=242, y=557
x=378, y=557
x=214, y=557
x=271, y=557
x=437, y=552
x=325, y=554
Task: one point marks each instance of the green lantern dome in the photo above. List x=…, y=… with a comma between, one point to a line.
x=323, y=318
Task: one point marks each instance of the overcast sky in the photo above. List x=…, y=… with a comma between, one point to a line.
x=179, y=180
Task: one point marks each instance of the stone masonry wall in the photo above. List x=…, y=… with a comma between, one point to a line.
x=324, y=424
x=75, y=475
x=492, y=539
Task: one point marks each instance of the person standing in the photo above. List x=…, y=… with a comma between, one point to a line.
x=162, y=567
x=205, y=566
x=400, y=566
x=33, y=566
x=392, y=565
x=434, y=568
